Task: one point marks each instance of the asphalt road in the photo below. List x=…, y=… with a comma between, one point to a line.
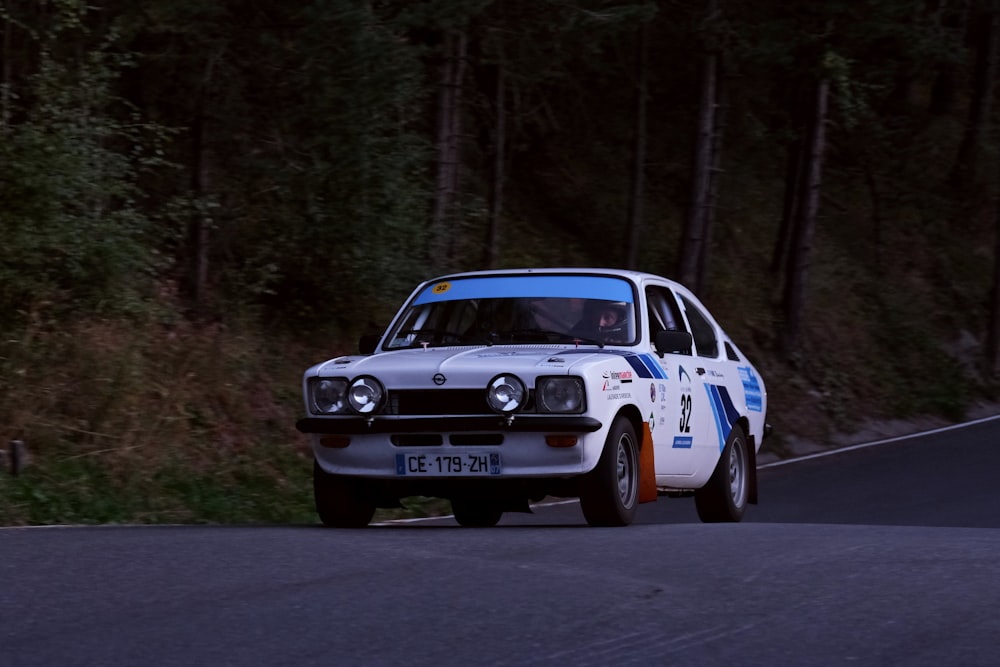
x=886, y=555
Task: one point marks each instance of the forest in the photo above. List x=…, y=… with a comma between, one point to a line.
x=201, y=198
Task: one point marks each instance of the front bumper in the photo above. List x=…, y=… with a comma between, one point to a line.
x=369, y=447
x=519, y=424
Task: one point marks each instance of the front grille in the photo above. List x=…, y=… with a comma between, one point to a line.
x=426, y=402
x=476, y=439
x=416, y=439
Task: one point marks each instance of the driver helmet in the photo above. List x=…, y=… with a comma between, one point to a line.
x=613, y=325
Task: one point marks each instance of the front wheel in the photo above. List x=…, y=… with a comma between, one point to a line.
x=340, y=501
x=609, y=494
x=724, y=497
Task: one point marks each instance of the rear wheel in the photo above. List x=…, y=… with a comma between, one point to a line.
x=474, y=513
x=724, y=497
x=340, y=501
x=609, y=494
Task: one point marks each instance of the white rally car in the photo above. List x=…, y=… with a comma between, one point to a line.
x=497, y=388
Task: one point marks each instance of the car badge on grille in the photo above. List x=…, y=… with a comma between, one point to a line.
x=439, y=379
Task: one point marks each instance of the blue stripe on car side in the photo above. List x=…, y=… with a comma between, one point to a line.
x=653, y=366
x=644, y=365
x=715, y=410
x=718, y=413
x=639, y=367
x=732, y=416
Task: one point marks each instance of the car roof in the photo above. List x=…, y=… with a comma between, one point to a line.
x=637, y=277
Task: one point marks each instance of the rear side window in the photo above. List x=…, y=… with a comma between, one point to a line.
x=705, y=341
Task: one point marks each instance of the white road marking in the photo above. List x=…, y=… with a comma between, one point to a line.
x=875, y=443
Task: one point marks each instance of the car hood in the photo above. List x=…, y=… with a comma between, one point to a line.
x=465, y=367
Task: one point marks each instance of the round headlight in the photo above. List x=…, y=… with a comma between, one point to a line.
x=329, y=396
x=505, y=394
x=365, y=395
x=560, y=394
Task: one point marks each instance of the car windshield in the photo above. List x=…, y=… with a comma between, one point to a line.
x=525, y=309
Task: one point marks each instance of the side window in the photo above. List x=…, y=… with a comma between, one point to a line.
x=663, y=310
x=664, y=314
x=702, y=331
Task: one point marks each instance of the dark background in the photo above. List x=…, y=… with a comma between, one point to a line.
x=198, y=200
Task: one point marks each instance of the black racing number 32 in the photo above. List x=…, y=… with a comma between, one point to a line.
x=685, y=413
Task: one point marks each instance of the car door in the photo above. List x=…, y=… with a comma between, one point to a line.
x=713, y=408
x=675, y=401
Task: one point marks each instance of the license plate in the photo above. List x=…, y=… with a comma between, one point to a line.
x=449, y=465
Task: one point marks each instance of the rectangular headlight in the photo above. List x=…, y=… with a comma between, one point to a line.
x=560, y=394
x=328, y=396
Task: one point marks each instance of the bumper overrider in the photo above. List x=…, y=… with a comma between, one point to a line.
x=520, y=424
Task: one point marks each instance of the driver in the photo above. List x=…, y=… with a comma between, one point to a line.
x=608, y=324
x=611, y=324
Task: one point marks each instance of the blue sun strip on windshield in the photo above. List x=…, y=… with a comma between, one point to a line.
x=531, y=286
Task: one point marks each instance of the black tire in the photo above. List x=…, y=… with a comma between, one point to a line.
x=609, y=494
x=340, y=501
x=724, y=497
x=473, y=513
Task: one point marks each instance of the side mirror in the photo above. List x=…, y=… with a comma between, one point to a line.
x=368, y=343
x=672, y=342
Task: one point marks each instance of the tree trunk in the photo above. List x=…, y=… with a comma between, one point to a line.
x=6, y=71
x=492, y=250
x=805, y=223
x=635, y=206
x=715, y=172
x=201, y=234
x=790, y=205
x=449, y=148
x=965, y=168
x=794, y=170
x=993, y=330
x=955, y=21
x=692, y=240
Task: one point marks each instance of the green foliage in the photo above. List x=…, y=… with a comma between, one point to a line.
x=74, y=232
x=84, y=490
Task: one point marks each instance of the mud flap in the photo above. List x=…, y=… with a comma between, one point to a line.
x=647, y=469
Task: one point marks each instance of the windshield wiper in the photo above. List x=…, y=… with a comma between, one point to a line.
x=543, y=335
x=440, y=335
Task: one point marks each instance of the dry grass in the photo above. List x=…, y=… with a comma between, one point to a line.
x=127, y=421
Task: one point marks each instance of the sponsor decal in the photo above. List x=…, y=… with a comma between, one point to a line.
x=619, y=376
x=652, y=392
x=616, y=395
x=682, y=442
x=441, y=288
x=751, y=389
x=681, y=374
x=652, y=422
x=663, y=393
x=715, y=374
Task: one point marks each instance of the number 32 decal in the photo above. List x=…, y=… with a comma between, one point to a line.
x=685, y=413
